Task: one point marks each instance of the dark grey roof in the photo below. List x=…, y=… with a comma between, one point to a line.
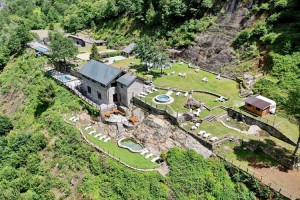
x=258, y=103
x=127, y=79
x=129, y=48
x=100, y=72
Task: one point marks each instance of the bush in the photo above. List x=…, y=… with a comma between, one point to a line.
x=5, y=125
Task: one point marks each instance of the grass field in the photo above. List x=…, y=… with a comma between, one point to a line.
x=112, y=148
x=133, y=159
x=125, y=63
x=193, y=81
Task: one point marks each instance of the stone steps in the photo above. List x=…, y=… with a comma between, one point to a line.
x=121, y=129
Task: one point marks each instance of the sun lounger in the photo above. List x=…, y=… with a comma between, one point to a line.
x=92, y=132
x=173, y=72
x=180, y=74
x=178, y=93
x=197, y=70
x=144, y=93
x=197, y=124
x=107, y=139
x=194, y=127
x=154, y=89
x=149, y=91
x=76, y=119
x=213, y=139
x=205, y=79
x=87, y=128
x=148, y=156
x=144, y=152
x=97, y=135
x=72, y=118
x=201, y=132
x=206, y=135
x=155, y=159
x=197, y=114
x=141, y=95
x=102, y=137
x=184, y=74
x=218, y=77
x=186, y=94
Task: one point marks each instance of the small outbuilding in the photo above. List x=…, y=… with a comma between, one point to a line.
x=85, y=40
x=260, y=105
x=128, y=51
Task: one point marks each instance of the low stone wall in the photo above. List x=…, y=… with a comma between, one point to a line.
x=252, y=121
x=153, y=110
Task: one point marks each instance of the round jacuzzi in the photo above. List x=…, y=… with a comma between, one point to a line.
x=163, y=98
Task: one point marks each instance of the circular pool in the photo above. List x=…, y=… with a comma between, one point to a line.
x=163, y=98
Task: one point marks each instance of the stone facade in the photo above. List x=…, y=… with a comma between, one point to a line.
x=106, y=93
x=113, y=93
x=126, y=93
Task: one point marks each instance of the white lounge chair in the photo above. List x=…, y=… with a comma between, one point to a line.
x=154, y=89
x=201, y=132
x=194, y=127
x=205, y=79
x=107, y=139
x=184, y=74
x=97, y=135
x=76, y=119
x=87, y=128
x=72, y=118
x=141, y=95
x=186, y=94
x=180, y=74
x=92, y=132
x=144, y=152
x=178, y=93
x=213, y=139
x=148, y=156
x=206, y=135
x=218, y=77
x=173, y=72
x=144, y=93
x=197, y=114
x=197, y=124
x=102, y=137
x=155, y=159
x=197, y=70
x=149, y=91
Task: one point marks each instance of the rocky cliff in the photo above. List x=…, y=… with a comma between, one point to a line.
x=213, y=48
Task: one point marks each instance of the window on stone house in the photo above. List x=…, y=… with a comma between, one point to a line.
x=89, y=89
x=99, y=95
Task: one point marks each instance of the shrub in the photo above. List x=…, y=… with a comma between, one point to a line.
x=5, y=125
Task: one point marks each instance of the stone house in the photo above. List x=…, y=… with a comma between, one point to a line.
x=128, y=51
x=86, y=40
x=105, y=84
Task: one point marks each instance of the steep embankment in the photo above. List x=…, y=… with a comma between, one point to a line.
x=213, y=49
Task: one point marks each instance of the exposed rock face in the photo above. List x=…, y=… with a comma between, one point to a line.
x=158, y=135
x=193, y=103
x=254, y=130
x=213, y=49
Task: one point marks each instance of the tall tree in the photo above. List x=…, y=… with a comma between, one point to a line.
x=293, y=107
x=62, y=48
x=94, y=53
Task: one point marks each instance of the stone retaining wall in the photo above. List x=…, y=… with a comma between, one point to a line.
x=267, y=127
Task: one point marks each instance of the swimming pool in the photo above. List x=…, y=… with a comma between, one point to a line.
x=131, y=144
x=41, y=49
x=65, y=78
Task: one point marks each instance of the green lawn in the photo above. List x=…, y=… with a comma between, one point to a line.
x=125, y=63
x=132, y=159
x=87, y=49
x=288, y=128
x=193, y=81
